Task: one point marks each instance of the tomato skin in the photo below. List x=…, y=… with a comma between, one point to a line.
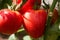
x=16, y=1
x=19, y=1
x=28, y=5
x=34, y=22
x=10, y=21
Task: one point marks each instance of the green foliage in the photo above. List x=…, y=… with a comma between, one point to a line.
x=3, y=3
x=58, y=0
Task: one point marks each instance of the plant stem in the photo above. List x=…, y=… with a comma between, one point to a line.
x=48, y=35
x=51, y=12
x=53, y=5
x=58, y=7
x=46, y=5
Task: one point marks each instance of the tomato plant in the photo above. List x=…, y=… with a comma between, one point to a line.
x=34, y=20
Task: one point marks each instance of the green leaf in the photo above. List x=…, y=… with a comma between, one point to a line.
x=53, y=32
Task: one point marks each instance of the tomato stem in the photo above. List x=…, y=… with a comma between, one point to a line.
x=48, y=35
x=46, y=5
x=53, y=5
x=58, y=7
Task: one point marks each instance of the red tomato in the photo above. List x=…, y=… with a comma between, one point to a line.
x=17, y=1
x=39, y=2
x=34, y=22
x=28, y=5
x=10, y=21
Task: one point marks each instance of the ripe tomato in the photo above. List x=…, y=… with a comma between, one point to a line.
x=34, y=22
x=28, y=5
x=10, y=21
